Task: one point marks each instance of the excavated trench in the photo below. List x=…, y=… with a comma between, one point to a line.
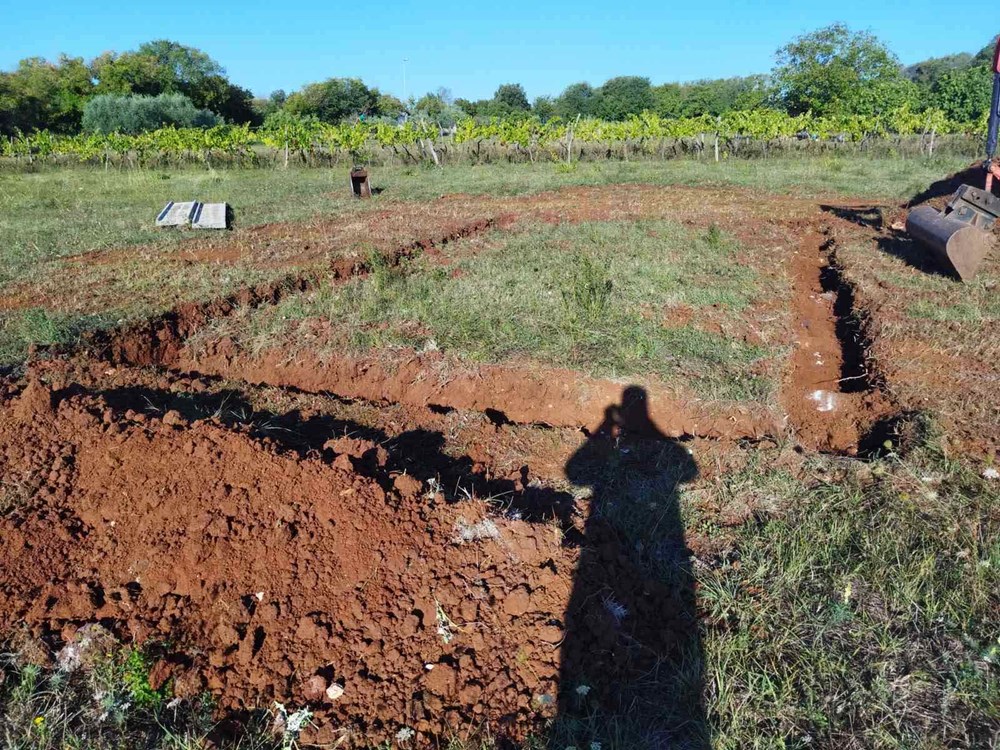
x=833, y=400
x=550, y=397
x=282, y=555
x=157, y=341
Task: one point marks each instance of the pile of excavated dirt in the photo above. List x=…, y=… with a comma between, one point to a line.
x=275, y=577
x=938, y=193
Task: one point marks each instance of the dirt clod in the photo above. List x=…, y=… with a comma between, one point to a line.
x=35, y=401
x=407, y=486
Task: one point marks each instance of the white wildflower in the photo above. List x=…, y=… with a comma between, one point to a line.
x=405, y=734
x=291, y=724
x=445, y=627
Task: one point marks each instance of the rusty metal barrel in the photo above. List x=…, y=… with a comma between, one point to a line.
x=956, y=246
x=360, y=186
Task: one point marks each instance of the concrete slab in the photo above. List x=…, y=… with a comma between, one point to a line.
x=210, y=216
x=176, y=214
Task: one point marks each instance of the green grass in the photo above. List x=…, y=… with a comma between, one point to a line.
x=591, y=296
x=975, y=310
x=867, y=616
x=21, y=329
x=105, y=703
x=859, y=608
x=877, y=179
x=56, y=213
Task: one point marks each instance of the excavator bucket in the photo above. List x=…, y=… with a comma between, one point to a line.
x=960, y=237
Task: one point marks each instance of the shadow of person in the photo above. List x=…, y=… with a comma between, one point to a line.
x=631, y=661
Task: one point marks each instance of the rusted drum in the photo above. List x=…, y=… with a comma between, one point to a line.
x=956, y=246
x=360, y=185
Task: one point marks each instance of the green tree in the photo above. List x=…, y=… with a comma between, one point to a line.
x=964, y=94
x=668, y=99
x=985, y=55
x=8, y=104
x=166, y=67
x=576, y=99
x=41, y=94
x=431, y=105
x=439, y=108
x=544, y=108
x=187, y=67
x=838, y=71
x=927, y=73
x=467, y=106
x=333, y=100
x=130, y=73
x=386, y=105
x=264, y=107
x=621, y=97
x=510, y=97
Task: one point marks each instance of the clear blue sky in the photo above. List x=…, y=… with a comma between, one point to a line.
x=471, y=48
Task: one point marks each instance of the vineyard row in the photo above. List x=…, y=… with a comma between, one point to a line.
x=647, y=133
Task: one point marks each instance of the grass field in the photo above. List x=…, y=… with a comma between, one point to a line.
x=720, y=566
x=55, y=214
x=590, y=296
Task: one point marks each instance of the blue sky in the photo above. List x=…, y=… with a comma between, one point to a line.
x=471, y=48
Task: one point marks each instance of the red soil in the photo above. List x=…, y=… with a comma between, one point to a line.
x=560, y=398
x=825, y=412
x=274, y=576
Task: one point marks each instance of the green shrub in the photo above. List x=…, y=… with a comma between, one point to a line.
x=137, y=114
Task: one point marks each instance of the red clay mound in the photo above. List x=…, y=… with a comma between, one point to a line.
x=280, y=578
x=551, y=396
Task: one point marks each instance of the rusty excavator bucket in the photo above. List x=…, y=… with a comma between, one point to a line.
x=960, y=237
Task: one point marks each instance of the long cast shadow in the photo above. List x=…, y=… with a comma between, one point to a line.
x=419, y=452
x=911, y=252
x=631, y=662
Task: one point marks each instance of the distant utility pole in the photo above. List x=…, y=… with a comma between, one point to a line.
x=405, y=60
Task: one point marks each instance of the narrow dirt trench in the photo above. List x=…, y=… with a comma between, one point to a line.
x=828, y=394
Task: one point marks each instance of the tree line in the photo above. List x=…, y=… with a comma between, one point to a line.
x=832, y=71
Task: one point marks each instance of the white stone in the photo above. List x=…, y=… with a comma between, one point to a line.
x=334, y=691
x=210, y=216
x=824, y=400
x=175, y=214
